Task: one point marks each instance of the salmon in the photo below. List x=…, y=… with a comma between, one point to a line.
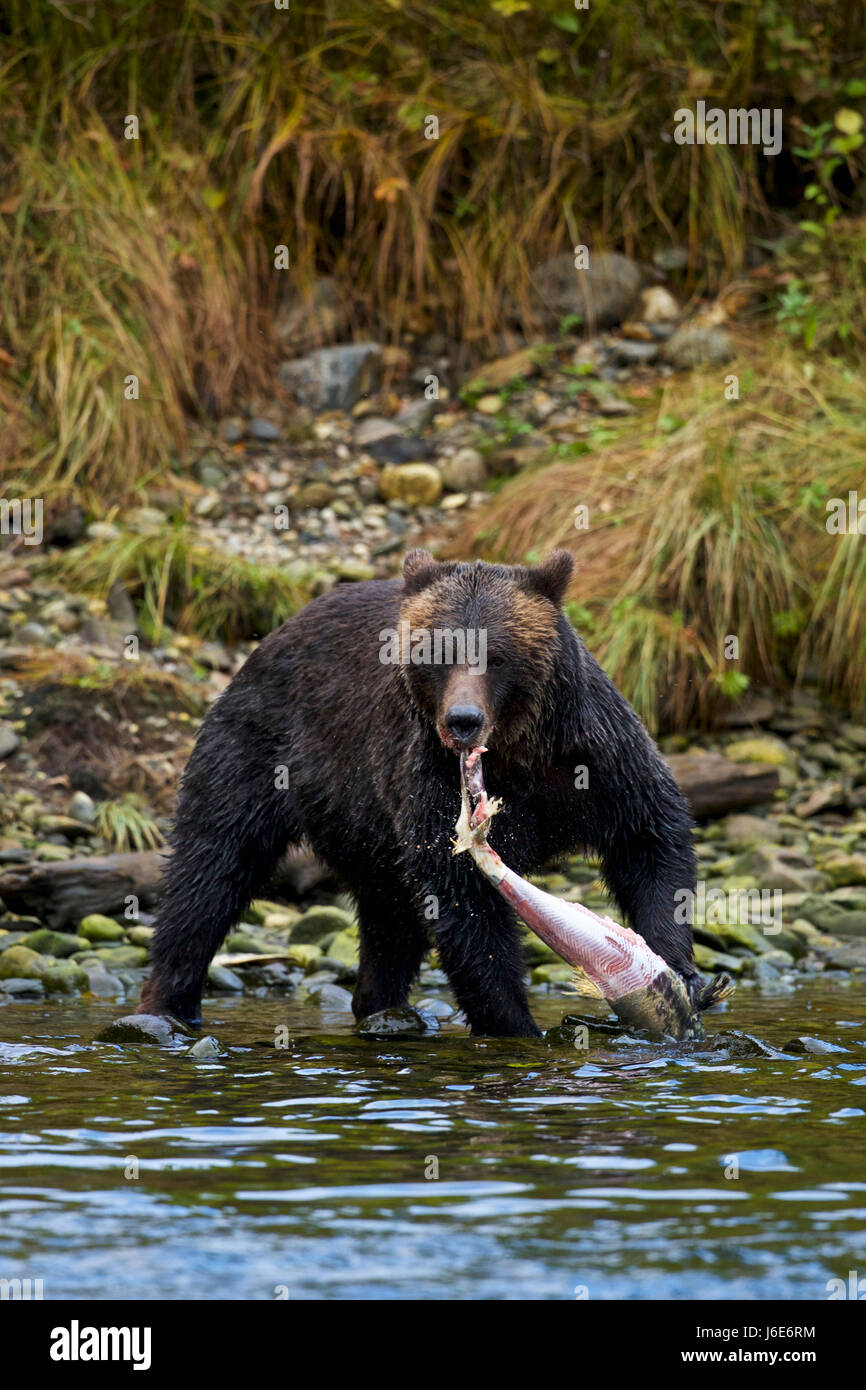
x=641, y=988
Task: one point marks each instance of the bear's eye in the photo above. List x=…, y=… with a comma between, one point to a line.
x=496, y=659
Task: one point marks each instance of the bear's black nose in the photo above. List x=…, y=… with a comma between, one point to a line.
x=464, y=722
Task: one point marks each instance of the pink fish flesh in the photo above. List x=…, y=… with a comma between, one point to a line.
x=641, y=988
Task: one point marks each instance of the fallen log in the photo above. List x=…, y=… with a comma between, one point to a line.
x=60, y=894
x=713, y=785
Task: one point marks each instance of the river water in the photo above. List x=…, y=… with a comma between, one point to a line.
x=437, y=1166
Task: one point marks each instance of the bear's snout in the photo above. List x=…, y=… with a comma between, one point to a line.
x=464, y=723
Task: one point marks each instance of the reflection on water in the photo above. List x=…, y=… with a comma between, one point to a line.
x=628, y=1170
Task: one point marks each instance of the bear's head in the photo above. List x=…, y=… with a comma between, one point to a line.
x=480, y=645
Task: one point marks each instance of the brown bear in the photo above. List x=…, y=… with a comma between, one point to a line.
x=342, y=730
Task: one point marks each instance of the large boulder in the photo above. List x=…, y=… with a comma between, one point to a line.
x=334, y=378
x=602, y=294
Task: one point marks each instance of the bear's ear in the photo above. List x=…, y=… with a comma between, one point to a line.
x=551, y=578
x=419, y=570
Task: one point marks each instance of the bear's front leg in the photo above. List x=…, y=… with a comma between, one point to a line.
x=481, y=953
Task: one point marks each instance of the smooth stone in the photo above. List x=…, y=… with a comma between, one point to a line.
x=96, y=927
x=334, y=378
x=306, y=956
x=315, y=495
x=144, y=1028
x=82, y=807
x=502, y=371
x=657, y=305
x=122, y=957
x=54, y=943
x=102, y=983
x=240, y=943
x=436, y=1008
x=345, y=947
x=25, y=988
x=333, y=997
x=416, y=484
x=264, y=431
x=776, y=868
x=12, y=938
x=373, y=429
x=827, y=915
x=764, y=972
x=751, y=710
x=710, y=960
x=20, y=963
x=141, y=936
x=208, y=1046
x=260, y=909
x=845, y=870
x=219, y=977
x=396, y=1022
x=9, y=740
x=318, y=922
x=354, y=571
x=65, y=978
x=745, y=832
x=103, y=531
x=210, y=474
x=762, y=749
x=552, y=974
x=599, y=294
x=399, y=448
x=464, y=471
x=830, y=798
x=631, y=352
x=417, y=414
x=729, y=934
x=33, y=634
x=699, y=345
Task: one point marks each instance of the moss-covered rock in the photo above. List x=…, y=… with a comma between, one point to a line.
x=65, y=978
x=122, y=957
x=344, y=947
x=96, y=927
x=244, y=943
x=141, y=936
x=761, y=749
x=827, y=915
x=552, y=974
x=844, y=870
x=54, y=943
x=318, y=922
x=20, y=963
x=306, y=956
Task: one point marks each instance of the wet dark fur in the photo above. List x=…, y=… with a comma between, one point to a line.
x=377, y=795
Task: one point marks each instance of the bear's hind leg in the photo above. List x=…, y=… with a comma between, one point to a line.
x=231, y=830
